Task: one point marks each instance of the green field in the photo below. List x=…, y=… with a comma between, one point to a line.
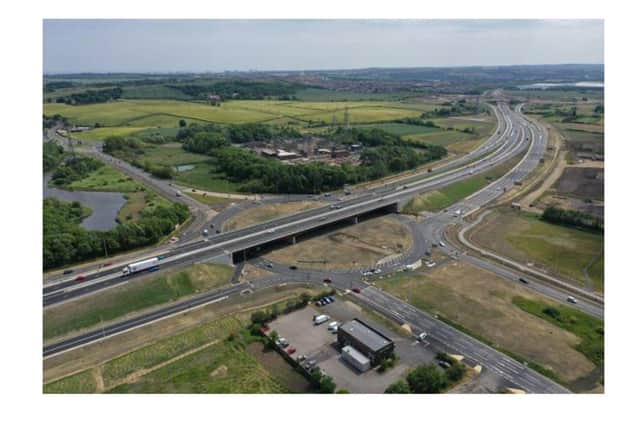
x=116, y=302
x=440, y=199
x=224, y=367
x=402, y=129
x=169, y=155
x=588, y=328
x=166, y=113
x=564, y=250
x=324, y=95
x=82, y=382
x=107, y=178
x=201, y=177
x=99, y=134
x=560, y=250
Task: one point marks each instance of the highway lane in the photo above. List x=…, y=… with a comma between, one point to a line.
x=457, y=342
x=317, y=217
x=386, y=304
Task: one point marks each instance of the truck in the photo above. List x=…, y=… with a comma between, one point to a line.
x=151, y=264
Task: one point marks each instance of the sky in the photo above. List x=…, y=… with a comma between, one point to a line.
x=240, y=45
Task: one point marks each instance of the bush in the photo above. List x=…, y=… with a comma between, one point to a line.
x=399, y=387
x=426, y=379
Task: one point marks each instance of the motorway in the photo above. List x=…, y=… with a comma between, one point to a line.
x=513, y=137
x=503, y=145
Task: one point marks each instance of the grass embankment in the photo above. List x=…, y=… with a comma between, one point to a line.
x=219, y=356
x=482, y=305
x=203, y=178
x=268, y=212
x=565, y=251
x=447, y=196
x=589, y=329
x=122, y=300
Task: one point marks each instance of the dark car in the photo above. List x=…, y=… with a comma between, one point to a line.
x=67, y=272
x=523, y=280
x=326, y=280
x=80, y=278
x=331, y=299
x=293, y=267
x=356, y=290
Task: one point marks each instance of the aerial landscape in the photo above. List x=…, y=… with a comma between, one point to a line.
x=346, y=228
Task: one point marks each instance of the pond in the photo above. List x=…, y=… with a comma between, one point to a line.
x=104, y=205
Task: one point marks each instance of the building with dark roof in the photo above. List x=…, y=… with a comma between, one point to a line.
x=368, y=341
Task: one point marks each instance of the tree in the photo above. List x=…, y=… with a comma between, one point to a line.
x=399, y=387
x=426, y=379
x=455, y=372
x=182, y=123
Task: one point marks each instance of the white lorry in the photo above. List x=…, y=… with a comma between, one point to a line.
x=151, y=264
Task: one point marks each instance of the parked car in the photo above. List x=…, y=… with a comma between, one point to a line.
x=356, y=290
x=301, y=357
x=291, y=350
x=330, y=298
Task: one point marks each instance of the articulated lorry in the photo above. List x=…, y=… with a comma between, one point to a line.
x=151, y=264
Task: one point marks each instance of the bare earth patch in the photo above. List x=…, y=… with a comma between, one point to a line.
x=362, y=244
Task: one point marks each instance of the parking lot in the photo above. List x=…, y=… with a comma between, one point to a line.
x=318, y=344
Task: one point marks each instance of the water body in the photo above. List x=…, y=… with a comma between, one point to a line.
x=104, y=205
x=552, y=85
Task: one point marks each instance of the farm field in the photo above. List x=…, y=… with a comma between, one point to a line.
x=401, y=129
x=166, y=113
x=483, y=305
x=202, y=178
x=573, y=254
x=140, y=294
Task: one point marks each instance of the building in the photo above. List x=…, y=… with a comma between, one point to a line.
x=367, y=341
x=356, y=359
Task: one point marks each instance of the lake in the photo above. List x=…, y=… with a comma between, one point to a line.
x=104, y=205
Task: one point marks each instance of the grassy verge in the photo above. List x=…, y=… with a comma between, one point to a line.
x=201, y=177
x=588, y=328
x=82, y=382
x=113, y=303
x=447, y=196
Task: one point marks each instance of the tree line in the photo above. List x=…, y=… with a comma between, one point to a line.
x=91, y=96
x=73, y=169
x=66, y=242
x=572, y=218
x=430, y=379
x=52, y=155
x=239, y=89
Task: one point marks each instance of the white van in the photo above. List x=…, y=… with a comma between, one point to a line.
x=319, y=320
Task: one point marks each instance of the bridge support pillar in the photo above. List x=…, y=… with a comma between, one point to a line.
x=355, y=219
x=293, y=240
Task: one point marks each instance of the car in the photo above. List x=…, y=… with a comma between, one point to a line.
x=293, y=267
x=327, y=194
x=291, y=350
x=271, y=230
x=67, y=272
x=178, y=194
x=377, y=271
x=301, y=357
x=80, y=278
x=269, y=265
x=523, y=280
x=356, y=290
x=332, y=325
x=442, y=245
x=444, y=364
x=319, y=303
x=327, y=280
x=330, y=298
x=422, y=336
x=572, y=300
x=217, y=231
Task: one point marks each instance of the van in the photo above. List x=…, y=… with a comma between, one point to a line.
x=319, y=320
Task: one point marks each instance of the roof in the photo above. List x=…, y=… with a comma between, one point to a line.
x=355, y=354
x=365, y=334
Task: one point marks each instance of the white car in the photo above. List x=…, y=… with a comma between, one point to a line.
x=572, y=300
x=271, y=230
x=422, y=336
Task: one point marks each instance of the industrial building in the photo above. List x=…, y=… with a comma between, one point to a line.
x=360, y=339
